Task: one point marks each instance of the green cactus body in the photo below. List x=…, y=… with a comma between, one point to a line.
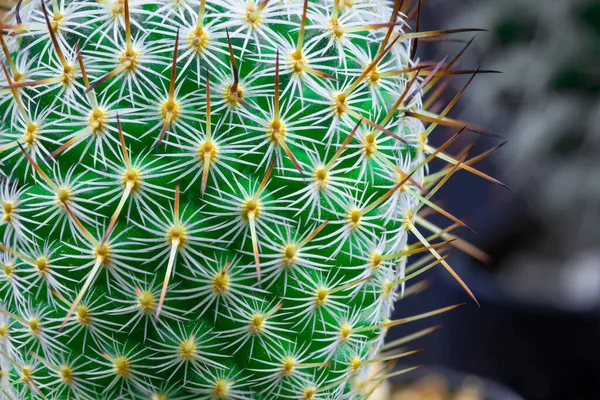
x=263, y=184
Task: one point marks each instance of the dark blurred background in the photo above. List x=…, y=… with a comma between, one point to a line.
x=537, y=331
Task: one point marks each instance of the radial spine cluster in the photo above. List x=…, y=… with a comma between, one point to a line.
x=207, y=199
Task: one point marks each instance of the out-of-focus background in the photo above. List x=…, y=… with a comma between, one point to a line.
x=537, y=333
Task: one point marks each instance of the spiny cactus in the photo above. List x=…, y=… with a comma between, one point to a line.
x=212, y=200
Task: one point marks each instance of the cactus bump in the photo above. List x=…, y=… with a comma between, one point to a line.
x=217, y=199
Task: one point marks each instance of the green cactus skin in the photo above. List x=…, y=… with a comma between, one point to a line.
x=251, y=161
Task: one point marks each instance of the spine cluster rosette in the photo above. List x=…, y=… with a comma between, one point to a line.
x=211, y=199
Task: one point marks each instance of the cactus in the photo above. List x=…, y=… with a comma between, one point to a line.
x=212, y=200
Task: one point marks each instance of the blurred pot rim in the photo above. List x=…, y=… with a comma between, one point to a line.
x=492, y=390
